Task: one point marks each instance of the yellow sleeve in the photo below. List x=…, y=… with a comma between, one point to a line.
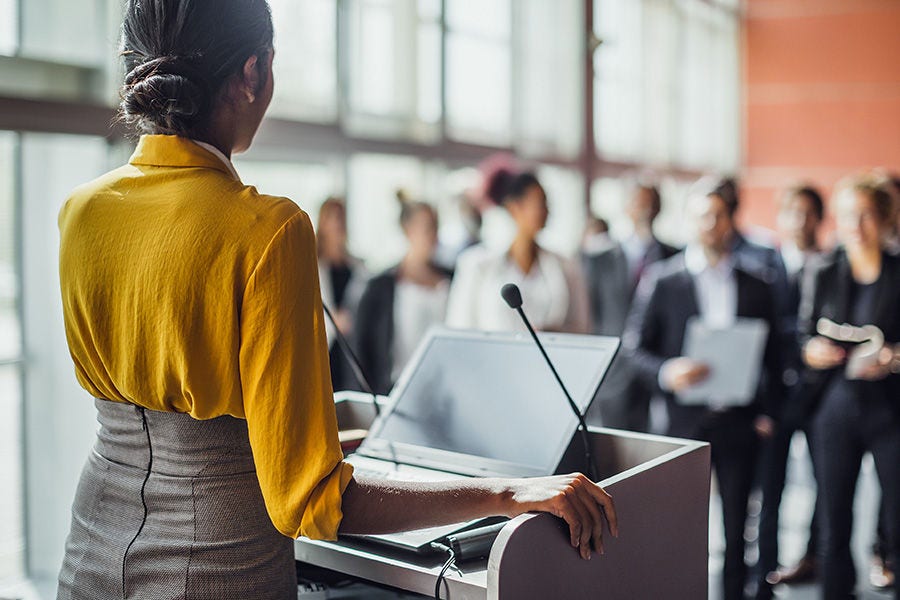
x=286, y=386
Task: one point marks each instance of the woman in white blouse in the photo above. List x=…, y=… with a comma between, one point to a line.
x=400, y=305
x=555, y=296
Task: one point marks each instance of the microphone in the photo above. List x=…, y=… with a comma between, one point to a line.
x=353, y=360
x=513, y=298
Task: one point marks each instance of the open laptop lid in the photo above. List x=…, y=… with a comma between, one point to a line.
x=486, y=404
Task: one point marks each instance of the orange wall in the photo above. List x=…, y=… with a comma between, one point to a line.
x=821, y=94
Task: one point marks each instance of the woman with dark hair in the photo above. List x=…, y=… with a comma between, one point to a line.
x=552, y=286
x=400, y=305
x=192, y=312
x=342, y=279
x=856, y=408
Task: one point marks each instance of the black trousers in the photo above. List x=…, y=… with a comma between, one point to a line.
x=734, y=446
x=772, y=472
x=846, y=426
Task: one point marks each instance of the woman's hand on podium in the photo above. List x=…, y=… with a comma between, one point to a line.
x=580, y=502
x=383, y=506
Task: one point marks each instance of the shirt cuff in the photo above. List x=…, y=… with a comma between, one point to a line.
x=663, y=377
x=323, y=514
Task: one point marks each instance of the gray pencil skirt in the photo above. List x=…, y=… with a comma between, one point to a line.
x=206, y=533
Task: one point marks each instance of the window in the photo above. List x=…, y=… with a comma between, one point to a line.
x=709, y=97
x=667, y=83
x=305, y=59
x=394, y=64
x=59, y=415
x=565, y=199
x=48, y=31
x=479, y=70
x=617, y=83
x=9, y=21
x=12, y=539
x=549, y=63
x=10, y=341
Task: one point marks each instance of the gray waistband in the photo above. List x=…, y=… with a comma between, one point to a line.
x=182, y=446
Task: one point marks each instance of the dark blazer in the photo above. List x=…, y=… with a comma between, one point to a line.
x=826, y=293
x=374, y=328
x=665, y=301
x=609, y=284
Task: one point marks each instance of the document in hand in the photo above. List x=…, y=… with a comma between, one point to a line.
x=734, y=356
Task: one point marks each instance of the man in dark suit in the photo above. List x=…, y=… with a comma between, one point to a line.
x=799, y=219
x=706, y=281
x=612, y=275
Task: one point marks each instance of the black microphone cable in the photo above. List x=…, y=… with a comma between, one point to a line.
x=448, y=564
x=354, y=361
x=513, y=297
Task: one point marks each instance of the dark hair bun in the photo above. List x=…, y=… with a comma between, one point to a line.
x=505, y=186
x=499, y=185
x=167, y=94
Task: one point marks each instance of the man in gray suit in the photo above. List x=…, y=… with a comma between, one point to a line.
x=612, y=275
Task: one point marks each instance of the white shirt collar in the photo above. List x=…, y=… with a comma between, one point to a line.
x=218, y=154
x=696, y=262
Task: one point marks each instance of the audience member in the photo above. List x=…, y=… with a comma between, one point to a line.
x=596, y=236
x=342, y=279
x=553, y=287
x=612, y=276
x=399, y=305
x=757, y=259
x=800, y=217
x=856, y=408
x=707, y=281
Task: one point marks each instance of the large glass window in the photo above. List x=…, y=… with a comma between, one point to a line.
x=666, y=83
x=479, y=71
x=67, y=32
x=617, y=82
x=9, y=26
x=12, y=540
x=394, y=66
x=305, y=59
x=10, y=340
x=548, y=74
x=60, y=420
x=709, y=97
x=565, y=199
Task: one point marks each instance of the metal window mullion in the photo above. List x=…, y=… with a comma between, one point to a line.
x=443, y=29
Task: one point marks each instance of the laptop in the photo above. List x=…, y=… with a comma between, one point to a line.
x=480, y=404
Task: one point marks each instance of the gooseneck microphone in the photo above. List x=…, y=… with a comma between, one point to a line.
x=353, y=360
x=513, y=297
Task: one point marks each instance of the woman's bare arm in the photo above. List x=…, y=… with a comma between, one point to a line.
x=379, y=506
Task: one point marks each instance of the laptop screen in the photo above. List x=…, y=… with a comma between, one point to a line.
x=493, y=396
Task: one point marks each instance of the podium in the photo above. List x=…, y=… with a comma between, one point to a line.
x=660, y=487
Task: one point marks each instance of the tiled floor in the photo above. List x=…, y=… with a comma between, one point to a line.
x=796, y=511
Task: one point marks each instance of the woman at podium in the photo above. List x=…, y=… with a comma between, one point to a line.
x=193, y=315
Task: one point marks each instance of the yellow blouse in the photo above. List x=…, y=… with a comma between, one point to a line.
x=185, y=290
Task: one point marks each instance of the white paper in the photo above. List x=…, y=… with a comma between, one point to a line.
x=734, y=356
